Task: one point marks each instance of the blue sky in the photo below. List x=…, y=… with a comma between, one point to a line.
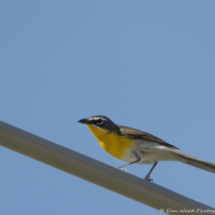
x=145, y=64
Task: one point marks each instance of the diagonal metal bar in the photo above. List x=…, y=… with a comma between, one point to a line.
x=97, y=172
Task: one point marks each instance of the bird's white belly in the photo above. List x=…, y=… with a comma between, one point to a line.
x=149, y=153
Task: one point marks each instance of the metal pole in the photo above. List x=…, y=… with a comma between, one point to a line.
x=97, y=172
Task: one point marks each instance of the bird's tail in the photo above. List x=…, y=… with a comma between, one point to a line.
x=187, y=159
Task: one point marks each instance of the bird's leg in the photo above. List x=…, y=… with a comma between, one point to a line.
x=148, y=175
x=138, y=159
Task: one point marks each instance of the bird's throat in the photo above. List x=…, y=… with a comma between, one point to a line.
x=111, y=142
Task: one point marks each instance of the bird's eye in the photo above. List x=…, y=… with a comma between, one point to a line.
x=99, y=121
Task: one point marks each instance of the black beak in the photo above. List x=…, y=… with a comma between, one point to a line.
x=84, y=121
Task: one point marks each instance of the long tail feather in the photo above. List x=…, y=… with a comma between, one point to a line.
x=187, y=159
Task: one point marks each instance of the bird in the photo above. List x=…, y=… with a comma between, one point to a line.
x=138, y=147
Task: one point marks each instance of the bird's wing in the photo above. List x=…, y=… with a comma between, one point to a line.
x=140, y=135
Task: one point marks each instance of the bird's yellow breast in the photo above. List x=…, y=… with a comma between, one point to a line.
x=111, y=142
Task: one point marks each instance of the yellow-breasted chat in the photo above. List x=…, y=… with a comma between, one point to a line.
x=135, y=146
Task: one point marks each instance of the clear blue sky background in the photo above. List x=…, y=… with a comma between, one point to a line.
x=145, y=64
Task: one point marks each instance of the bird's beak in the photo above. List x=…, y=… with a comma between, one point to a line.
x=84, y=121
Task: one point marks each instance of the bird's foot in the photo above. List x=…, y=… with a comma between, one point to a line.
x=148, y=178
x=124, y=170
